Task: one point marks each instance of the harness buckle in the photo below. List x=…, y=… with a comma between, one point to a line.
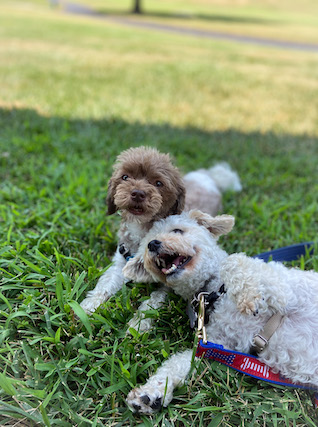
x=196, y=298
x=261, y=339
x=260, y=342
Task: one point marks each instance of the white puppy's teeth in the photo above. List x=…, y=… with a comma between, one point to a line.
x=171, y=269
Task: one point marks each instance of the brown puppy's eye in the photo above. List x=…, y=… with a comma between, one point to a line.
x=125, y=177
x=159, y=184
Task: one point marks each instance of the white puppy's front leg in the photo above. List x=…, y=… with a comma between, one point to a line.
x=254, y=284
x=108, y=284
x=241, y=276
x=158, y=390
x=139, y=321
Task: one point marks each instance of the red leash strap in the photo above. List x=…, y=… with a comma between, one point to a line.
x=247, y=364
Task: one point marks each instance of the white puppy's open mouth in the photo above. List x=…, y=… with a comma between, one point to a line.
x=169, y=264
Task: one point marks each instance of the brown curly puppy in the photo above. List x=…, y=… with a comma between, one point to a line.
x=145, y=187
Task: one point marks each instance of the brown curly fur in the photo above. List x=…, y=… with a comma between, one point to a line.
x=145, y=187
x=150, y=174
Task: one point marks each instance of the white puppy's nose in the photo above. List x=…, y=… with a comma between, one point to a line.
x=154, y=245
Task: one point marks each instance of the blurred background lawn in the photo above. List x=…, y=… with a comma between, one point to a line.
x=75, y=91
x=92, y=68
x=292, y=20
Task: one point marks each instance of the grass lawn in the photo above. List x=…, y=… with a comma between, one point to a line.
x=75, y=92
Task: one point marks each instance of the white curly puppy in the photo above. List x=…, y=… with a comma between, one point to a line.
x=145, y=187
x=182, y=252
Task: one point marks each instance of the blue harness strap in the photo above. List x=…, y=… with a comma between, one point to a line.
x=288, y=253
x=246, y=363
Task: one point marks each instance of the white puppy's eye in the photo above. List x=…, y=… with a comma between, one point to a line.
x=177, y=230
x=125, y=177
x=159, y=184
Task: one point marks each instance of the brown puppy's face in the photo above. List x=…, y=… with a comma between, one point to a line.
x=145, y=186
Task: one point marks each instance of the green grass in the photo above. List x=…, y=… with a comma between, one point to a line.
x=77, y=91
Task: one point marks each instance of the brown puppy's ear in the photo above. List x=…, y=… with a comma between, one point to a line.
x=217, y=226
x=111, y=207
x=178, y=207
x=134, y=270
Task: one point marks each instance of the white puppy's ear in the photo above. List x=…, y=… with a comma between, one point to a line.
x=217, y=226
x=134, y=270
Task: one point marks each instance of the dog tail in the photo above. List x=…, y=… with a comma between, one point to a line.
x=224, y=177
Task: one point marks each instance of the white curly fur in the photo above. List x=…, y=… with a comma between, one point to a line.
x=254, y=291
x=113, y=279
x=142, y=323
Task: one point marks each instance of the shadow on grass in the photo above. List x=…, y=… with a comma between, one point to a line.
x=262, y=159
x=25, y=132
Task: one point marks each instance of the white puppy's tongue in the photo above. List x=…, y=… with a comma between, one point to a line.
x=176, y=263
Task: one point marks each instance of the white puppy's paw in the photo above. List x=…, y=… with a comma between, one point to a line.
x=92, y=302
x=145, y=399
x=242, y=283
x=140, y=323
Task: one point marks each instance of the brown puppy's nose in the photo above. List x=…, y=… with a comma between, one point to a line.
x=138, y=195
x=154, y=245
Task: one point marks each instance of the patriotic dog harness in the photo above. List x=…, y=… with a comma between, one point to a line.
x=248, y=364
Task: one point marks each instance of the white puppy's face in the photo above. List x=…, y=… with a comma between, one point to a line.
x=176, y=249
x=172, y=250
